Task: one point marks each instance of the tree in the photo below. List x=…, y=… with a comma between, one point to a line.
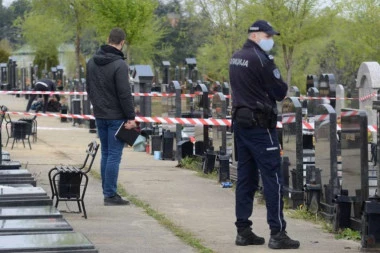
x=5, y=50
x=184, y=33
x=38, y=31
x=299, y=21
x=136, y=18
x=227, y=20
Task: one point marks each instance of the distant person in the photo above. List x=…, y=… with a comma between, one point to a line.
x=43, y=84
x=110, y=94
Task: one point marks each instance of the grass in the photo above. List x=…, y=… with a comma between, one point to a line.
x=302, y=213
x=195, y=164
x=186, y=236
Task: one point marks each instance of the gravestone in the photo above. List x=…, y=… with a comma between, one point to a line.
x=313, y=101
x=326, y=159
x=340, y=99
x=202, y=108
x=311, y=81
x=292, y=150
x=327, y=88
x=219, y=111
x=368, y=82
x=354, y=149
x=293, y=91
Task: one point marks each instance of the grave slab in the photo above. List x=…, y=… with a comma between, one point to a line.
x=37, y=201
x=33, y=212
x=21, y=192
x=10, y=165
x=26, y=226
x=54, y=242
x=18, y=180
x=15, y=173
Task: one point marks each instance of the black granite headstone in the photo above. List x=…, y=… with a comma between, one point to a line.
x=326, y=149
x=354, y=148
x=292, y=149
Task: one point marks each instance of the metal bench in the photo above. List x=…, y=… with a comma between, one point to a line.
x=69, y=183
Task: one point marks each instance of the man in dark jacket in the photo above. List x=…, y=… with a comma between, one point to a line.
x=110, y=94
x=43, y=84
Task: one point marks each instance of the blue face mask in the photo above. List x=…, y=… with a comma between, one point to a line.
x=266, y=44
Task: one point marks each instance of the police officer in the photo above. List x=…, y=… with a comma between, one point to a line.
x=43, y=84
x=256, y=86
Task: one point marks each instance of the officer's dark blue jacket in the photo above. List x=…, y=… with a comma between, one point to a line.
x=254, y=77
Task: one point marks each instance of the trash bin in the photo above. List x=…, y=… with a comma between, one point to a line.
x=224, y=167
x=155, y=143
x=167, y=145
x=209, y=162
x=76, y=109
x=63, y=111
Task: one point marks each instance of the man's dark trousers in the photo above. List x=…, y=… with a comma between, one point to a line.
x=258, y=148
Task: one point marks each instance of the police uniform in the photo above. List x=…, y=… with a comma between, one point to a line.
x=256, y=86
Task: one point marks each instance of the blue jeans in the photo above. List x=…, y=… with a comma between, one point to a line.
x=258, y=151
x=111, y=150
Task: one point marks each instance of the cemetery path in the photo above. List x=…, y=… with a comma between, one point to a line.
x=196, y=204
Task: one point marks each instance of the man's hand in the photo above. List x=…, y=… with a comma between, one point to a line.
x=130, y=124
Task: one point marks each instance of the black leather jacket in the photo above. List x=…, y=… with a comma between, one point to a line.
x=108, y=86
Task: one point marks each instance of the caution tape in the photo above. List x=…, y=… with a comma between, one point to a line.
x=163, y=120
x=182, y=121
x=158, y=94
x=84, y=93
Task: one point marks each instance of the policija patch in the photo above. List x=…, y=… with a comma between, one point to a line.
x=276, y=73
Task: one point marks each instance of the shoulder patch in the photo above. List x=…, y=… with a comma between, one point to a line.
x=276, y=73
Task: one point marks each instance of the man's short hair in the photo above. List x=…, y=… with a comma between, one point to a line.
x=116, y=36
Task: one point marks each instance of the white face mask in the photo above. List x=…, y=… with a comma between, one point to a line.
x=266, y=44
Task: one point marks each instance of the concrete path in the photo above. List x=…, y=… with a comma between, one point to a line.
x=194, y=203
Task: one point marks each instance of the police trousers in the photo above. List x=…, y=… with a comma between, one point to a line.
x=258, y=152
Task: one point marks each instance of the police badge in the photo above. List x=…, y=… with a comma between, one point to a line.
x=276, y=73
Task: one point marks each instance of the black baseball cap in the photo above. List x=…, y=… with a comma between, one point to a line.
x=262, y=26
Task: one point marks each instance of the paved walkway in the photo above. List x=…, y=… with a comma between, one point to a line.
x=196, y=204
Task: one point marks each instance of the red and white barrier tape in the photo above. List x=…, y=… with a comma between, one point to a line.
x=136, y=94
x=182, y=121
x=158, y=94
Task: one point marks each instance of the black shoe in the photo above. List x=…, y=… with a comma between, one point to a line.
x=116, y=200
x=247, y=237
x=282, y=241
